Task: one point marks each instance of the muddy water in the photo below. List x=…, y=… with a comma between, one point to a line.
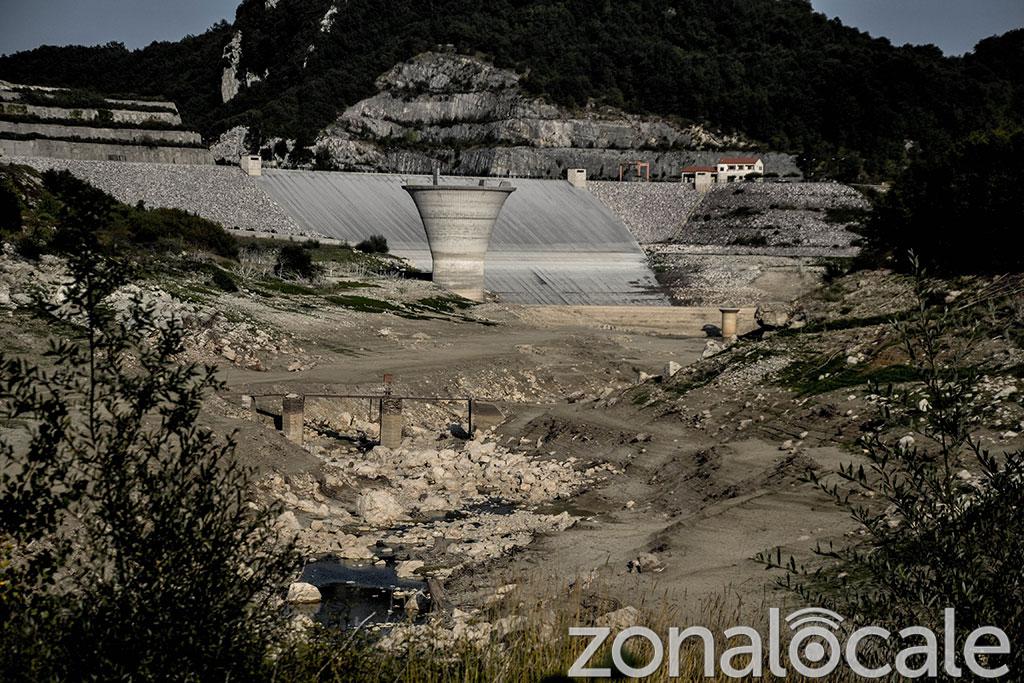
x=355, y=594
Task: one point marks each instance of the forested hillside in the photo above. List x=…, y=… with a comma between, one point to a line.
x=775, y=70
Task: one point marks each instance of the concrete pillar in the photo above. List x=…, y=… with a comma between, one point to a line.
x=730, y=320
x=251, y=165
x=458, y=220
x=249, y=407
x=391, y=422
x=577, y=177
x=292, y=408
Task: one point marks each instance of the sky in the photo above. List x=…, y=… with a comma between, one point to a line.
x=25, y=24
x=953, y=25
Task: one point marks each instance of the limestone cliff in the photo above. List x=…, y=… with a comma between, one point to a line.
x=474, y=118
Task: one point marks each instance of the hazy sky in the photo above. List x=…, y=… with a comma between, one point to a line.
x=953, y=25
x=25, y=24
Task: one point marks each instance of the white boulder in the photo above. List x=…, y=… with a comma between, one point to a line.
x=300, y=593
x=379, y=508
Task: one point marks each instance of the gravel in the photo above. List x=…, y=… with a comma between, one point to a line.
x=220, y=193
x=653, y=212
x=786, y=215
x=781, y=214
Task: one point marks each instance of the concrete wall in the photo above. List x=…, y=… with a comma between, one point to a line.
x=92, y=151
x=535, y=162
x=52, y=130
x=577, y=177
x=683, y=321
x=119, y=115
x=251, y=165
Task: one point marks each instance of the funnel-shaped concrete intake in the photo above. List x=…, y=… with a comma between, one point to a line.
x=458, y=220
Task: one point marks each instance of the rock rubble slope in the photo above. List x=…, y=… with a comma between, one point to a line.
x=218, y=193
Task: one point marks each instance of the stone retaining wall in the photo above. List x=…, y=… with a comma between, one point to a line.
x=94, y=151
x=119, y=115
x=52, y=130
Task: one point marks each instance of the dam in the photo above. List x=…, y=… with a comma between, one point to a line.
x=552, y=244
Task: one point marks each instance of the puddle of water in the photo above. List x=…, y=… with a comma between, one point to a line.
x=354, y=594
x=493, y=506
x=569, y=505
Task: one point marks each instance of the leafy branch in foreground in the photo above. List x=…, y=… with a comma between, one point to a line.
x=940, y=523
x=128, y=549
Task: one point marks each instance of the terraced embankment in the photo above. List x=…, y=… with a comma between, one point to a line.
x=741, y=244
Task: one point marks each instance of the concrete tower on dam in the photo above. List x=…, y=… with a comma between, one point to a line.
x=458, y=220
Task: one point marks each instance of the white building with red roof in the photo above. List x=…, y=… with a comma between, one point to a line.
x=732, y=169
x=728, y=170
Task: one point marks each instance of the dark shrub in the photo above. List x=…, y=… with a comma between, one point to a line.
x=281, y=149
x=10, y=211
x=118, y=226
x=939, y=521
x=750, y=241
x=374, y=244
x=180, y=229
x=222, y=280
x=295, y=262
x=128, y=551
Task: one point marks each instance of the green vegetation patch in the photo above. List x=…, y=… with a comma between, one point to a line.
x=85, y=99
x=743, y=212
x=817, y=376
x=344, y=286
x=285, y=287
x=750, y=241
x=365, y=304
x=446, y=304
x=145, y=141
x=445, y=308
x=839, y=324
x=51, y=204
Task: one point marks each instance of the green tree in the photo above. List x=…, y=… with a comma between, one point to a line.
x=374, y=244
x=939, y=521
x=960, y=210
x=128, y=548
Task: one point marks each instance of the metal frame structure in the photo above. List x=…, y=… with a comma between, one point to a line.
x=380, y=398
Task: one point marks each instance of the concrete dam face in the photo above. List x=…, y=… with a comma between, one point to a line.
x=552, y=244
x=458, y=221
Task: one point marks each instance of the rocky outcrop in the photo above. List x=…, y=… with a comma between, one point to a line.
x=379, y=508
x=229, y=81
x=230, y=145
x=779, y=316
x=813, y=218
x=473, y=118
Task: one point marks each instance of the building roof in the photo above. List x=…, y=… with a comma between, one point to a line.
x=700, y=169
x=739, y=160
